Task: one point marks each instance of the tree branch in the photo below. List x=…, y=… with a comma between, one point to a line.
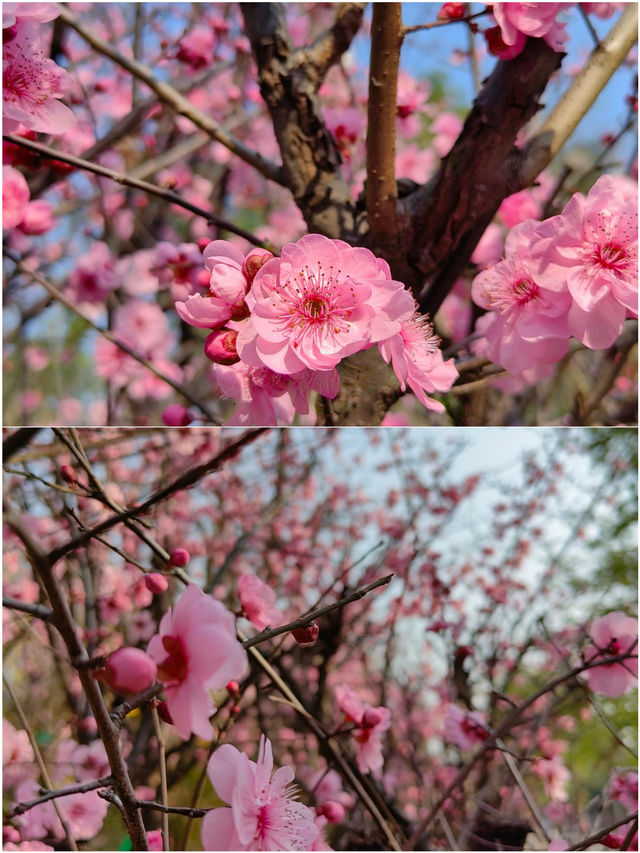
x=579, y=97
x=135, y=183
x=37, y=610
x=176, y=101
x=289, y=86
x=380, y=189
x=268, y=633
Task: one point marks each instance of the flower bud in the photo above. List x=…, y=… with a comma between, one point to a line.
x=306, y=636
x=333, y=811
x=371, y=717
x=179, y=557
x=128, y=670
x=176, y=415
x=156, y=582
x=256, y=259
x=68, y=474
x=202, y=243
x=451, y=12
x=233, y=688
x=220, y=347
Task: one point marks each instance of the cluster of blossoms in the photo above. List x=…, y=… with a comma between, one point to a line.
x=370, y=724
x=280, y=326
x=575, y=274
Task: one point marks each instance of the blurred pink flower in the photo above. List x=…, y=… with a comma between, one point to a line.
x=32, y=84
x=196, y=650
x=18, y=762
x=262, y=812
x=83, y=813
x=94, y=275
x=321, y=301
x=554, y=777
x=370, y=724
x=258, y=602
x=518, y=207
x=613, y=634
x=447, y=128
x=15, y=197
x=464, y=729
x=196, y=48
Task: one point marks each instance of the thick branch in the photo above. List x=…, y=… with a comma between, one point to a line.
x=329, y=47
x=450, y=214
x=63, y=620
x=175, y=100
x=381, y=196
x=289, y=86
x=579, y=97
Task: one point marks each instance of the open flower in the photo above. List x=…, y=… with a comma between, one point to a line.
x=196, y=650
x=258, y=602
x=370, y=724
x=321, y=301
x=263, y=813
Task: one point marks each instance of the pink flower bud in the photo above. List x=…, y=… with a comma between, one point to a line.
x=156, y=582
x=334, y=812
x=220, y=347
x=235, y=709
x=176, y=415
x=154, y=839
x=128, y=670
x=233, y=688
x=371, y=717
x=306, y=636
x=68, y=474
x=179, y=557
x=254, y=260
x=202, y=243
x=451, y=12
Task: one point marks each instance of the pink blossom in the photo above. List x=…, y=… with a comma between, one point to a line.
x=176, y=415
x=18, y=763
x=531, y=19
x=554, y=777
x=258, y=602
x=15, y=197
x=266, y=398
x=417, y=361
x=623, y=786
x=529, y=324
x=263, y=813
x=36, y=13
x=94, y=275
x=154, y=838
x=592, y=246
x=447, y=128
x=490, y=246
x=32, y=84
x=144, y=327
x=321, y=301
x=196, y=650
x=601, y=10
x=197, y=47
x=370, y=724
x=518, y=207
x=37, y=218
x=464, y=729
x=83, y=813
x=613, y=634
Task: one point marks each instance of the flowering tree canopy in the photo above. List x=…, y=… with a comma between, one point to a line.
x=320, y=639
x=264, y=214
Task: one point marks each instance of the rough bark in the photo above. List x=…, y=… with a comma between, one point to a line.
x=289, y=81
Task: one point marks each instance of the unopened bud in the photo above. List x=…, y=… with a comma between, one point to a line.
x=256, y=259
x=179, y=557
x=128, y=670
x=334, y=812
x=68, y=474
x=306, y=636
x=176, y=415
x=220, y=347
x=233, y=688
x=235, y=709
x=156, y=582
x=451, y=12
x=371, y=717
x=202, y=243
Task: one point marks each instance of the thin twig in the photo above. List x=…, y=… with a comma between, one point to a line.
x=162, y=762
x=81, y=788
x=32, y=609
x=176, y=101
x=268, y=633
x=593, y=839
x=135, y=183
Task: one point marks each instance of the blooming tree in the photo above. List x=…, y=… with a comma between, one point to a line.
x=270, y=214
x=327, y=639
